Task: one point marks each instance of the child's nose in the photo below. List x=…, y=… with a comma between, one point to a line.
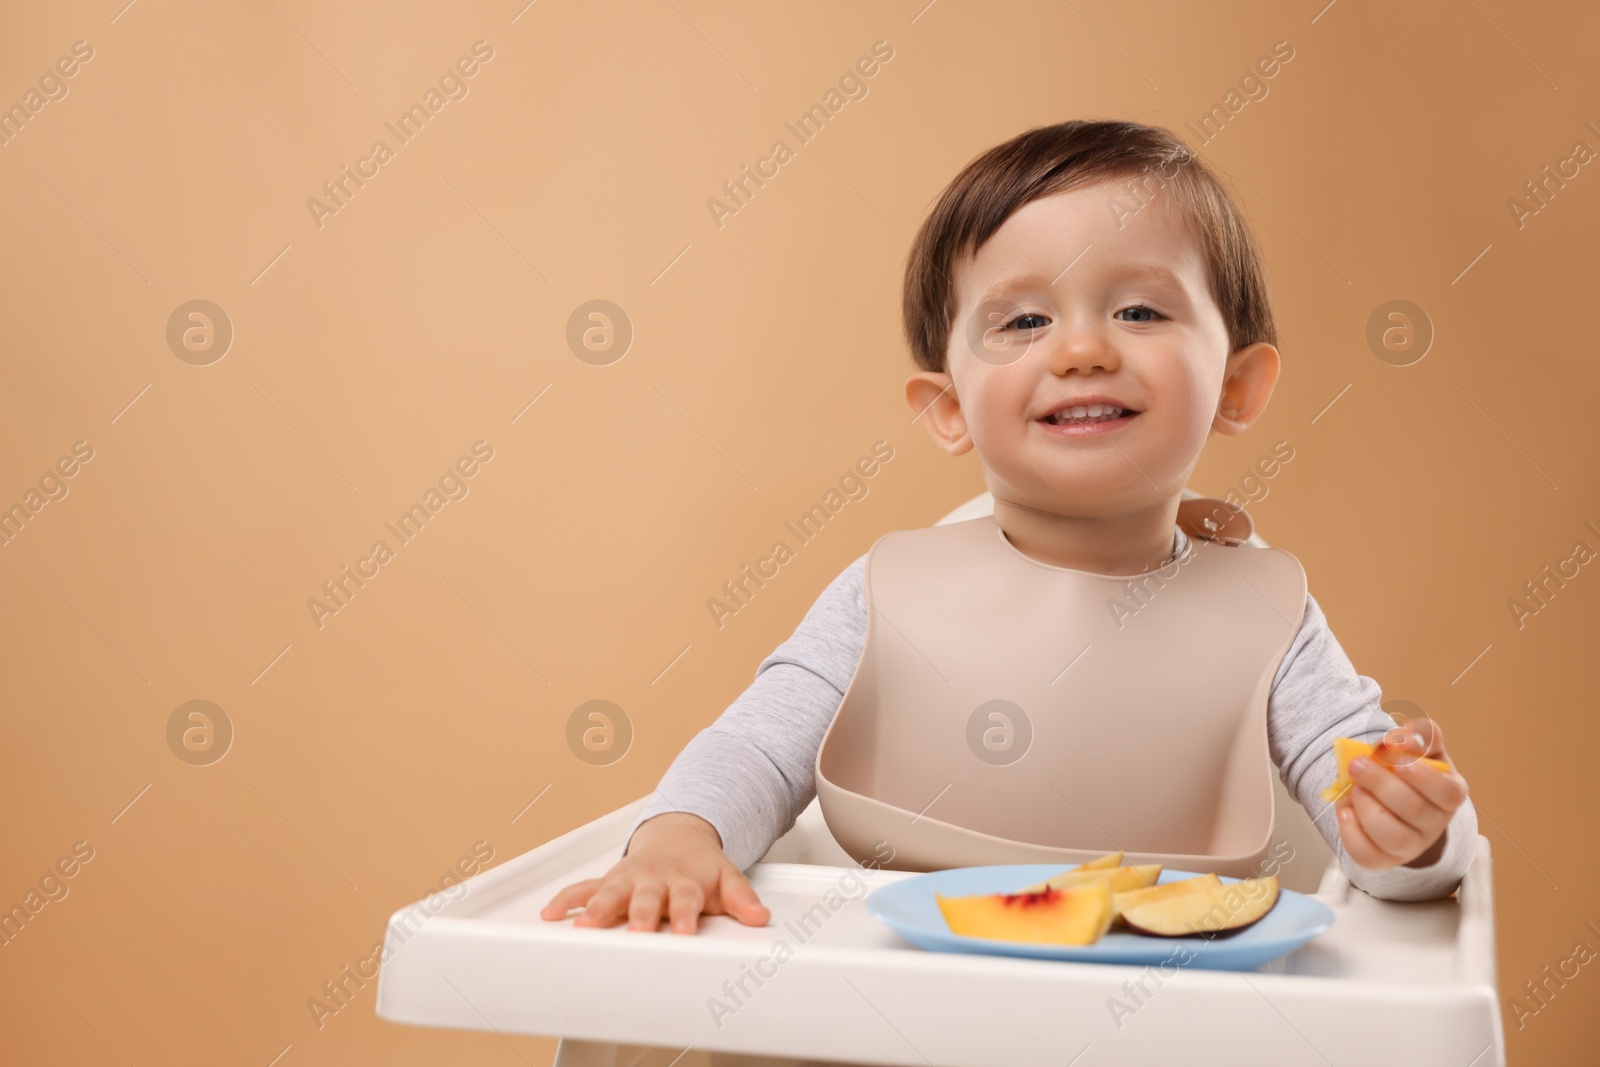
x=1080, y=347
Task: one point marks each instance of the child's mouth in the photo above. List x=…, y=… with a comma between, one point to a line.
x=1092, y=420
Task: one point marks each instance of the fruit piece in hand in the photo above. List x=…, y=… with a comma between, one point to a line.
x=1346, y=749
x=1077, y=915
x=1207, y=912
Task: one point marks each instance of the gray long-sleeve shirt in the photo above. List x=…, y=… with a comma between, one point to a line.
x=752, y=771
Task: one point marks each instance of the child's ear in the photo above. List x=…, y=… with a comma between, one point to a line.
x=932, y=397
x=1251, y=373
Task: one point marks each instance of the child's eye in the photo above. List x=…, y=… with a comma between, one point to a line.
x=1024, y=316
x=1152, y=312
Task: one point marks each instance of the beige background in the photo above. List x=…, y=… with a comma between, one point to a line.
x=373, y=753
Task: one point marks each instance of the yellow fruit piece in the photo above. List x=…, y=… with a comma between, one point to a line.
x=1100, y=863
x=1346, y=749
x=1131, y=898
x=1208, y=911
x=1117, y=879
x=1078, y=915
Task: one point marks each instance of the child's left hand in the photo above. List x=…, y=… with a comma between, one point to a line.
x=1394, y=814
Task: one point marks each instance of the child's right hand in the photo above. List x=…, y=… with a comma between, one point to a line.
x=674, y=860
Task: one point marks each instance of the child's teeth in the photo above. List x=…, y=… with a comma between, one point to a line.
x=1081, y=412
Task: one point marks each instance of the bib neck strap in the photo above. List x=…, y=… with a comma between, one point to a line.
x=1211, y=519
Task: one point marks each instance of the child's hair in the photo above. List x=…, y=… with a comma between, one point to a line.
x=1051, y=159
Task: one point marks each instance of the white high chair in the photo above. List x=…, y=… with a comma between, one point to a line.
x=1391, y=982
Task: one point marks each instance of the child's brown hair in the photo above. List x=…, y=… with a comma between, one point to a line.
x=1051, y=159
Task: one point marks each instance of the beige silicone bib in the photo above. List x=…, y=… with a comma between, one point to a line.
x=1010, y=711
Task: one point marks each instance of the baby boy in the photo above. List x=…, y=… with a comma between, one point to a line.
x=1087, y=307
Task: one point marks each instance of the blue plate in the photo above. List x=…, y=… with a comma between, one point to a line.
x=908, y=908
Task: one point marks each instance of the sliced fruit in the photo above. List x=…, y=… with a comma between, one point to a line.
x=1130, y=898
x=1117, y=879
x=1207, y=912
x=1346, y=749
x=1100, y=863
x=1073, y=916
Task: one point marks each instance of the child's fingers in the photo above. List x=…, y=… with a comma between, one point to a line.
x=607, y=904
x=573, y=896
x=1407, y=745
x=645, y=911
x=1357, y=845
x=686, y=901
x=1396, y=838
x=740, y=900
x=1395, y=793
x=1444, y=789
x=1435, y=738
x=1417, y=738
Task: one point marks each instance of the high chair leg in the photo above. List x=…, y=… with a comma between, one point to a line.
x=570, y=1053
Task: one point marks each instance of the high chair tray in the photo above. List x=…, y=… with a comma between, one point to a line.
x=1390, y=982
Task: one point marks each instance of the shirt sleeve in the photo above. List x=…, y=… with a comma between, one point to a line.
x=1316, y=697
x=753, y=770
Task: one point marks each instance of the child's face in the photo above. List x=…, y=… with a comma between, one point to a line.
x=1051, y=310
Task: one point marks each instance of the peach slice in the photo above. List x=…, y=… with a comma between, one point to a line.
x=1346, y=749
x=1207, y=912
x=1100, y=863
x=1078, y=915
x=1117, y=879
x=1130, y=898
